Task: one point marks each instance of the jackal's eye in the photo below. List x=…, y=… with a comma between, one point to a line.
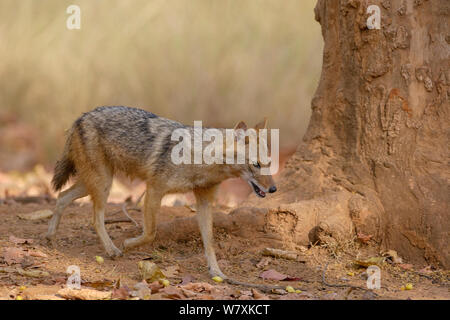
x=256, y=165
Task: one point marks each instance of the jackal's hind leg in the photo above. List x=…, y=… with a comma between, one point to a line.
x=204, y=199
x=152, y=205
x=78, y=190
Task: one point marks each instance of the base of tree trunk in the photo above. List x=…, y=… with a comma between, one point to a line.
x=374, y=159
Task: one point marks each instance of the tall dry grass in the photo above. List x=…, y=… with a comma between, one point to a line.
x=216, y=60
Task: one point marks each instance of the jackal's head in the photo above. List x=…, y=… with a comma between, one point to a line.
x=256, y=169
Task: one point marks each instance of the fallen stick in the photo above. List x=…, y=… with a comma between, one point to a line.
x=30, y=199
x=125, y=212
x=117, y=220
x=277, y=253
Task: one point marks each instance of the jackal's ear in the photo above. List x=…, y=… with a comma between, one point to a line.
x=240, y=125
x=262, y=124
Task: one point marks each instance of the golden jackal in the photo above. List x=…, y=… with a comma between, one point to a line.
x=138, y=143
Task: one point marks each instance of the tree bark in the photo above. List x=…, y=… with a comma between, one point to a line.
x=375, y=156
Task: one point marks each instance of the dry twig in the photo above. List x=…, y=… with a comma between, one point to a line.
x=125, y=212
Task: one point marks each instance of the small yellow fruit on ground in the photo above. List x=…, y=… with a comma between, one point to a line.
x=217, y=279
x=409, y=286
x=290, y=289
x=165, y=282
x=402, y=288
x=19, y=298
x=298, y=291
x=350, y=273
x=99, y=259
x=22, y=288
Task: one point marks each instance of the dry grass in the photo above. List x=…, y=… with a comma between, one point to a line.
x=216, y=60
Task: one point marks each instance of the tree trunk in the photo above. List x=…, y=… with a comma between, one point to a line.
x=375, y=156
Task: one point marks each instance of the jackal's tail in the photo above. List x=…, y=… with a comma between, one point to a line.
x=65, y=167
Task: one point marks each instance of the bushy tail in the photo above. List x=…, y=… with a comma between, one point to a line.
x=64, y=169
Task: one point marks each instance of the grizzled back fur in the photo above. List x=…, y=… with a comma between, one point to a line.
x=121, y=138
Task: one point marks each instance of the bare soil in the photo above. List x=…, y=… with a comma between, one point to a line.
x=238, y=254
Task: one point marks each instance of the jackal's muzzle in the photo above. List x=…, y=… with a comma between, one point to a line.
x=260, y=192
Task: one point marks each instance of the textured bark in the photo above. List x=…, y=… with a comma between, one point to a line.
x=378, y=138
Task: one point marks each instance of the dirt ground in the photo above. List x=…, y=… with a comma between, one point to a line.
x=183, y=262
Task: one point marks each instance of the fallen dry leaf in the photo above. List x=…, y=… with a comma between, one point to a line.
x=84, y=294
x=369, y=262
x=279, y=291
x=155, y=286
x=199, y=287
x=142, y=290
x=172, y=293
x=289, y=278
x=121, y=294
x=258, y=295
x=186, y=279
x=36, y=215
x=33, y=273
x=150, y=271
x=188, y=293
x=275, y=275
x=99, y=285
x=272, y=275
x=405, y=266
x=157, y=296
x=14, y=255
x=46, y=297
x=37, y=253
x=16, y=240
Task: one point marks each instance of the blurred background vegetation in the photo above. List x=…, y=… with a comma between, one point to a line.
x=220, y=61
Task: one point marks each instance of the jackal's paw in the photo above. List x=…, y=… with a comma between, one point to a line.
x=49, y=235
x=48, y=240
x=217, y=273
x=114, y=252
x=138, y=241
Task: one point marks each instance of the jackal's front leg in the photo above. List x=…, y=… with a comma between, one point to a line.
x=152, y=205
x=204, y=199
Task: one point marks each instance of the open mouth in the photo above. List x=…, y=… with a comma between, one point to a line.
x=258, y=191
